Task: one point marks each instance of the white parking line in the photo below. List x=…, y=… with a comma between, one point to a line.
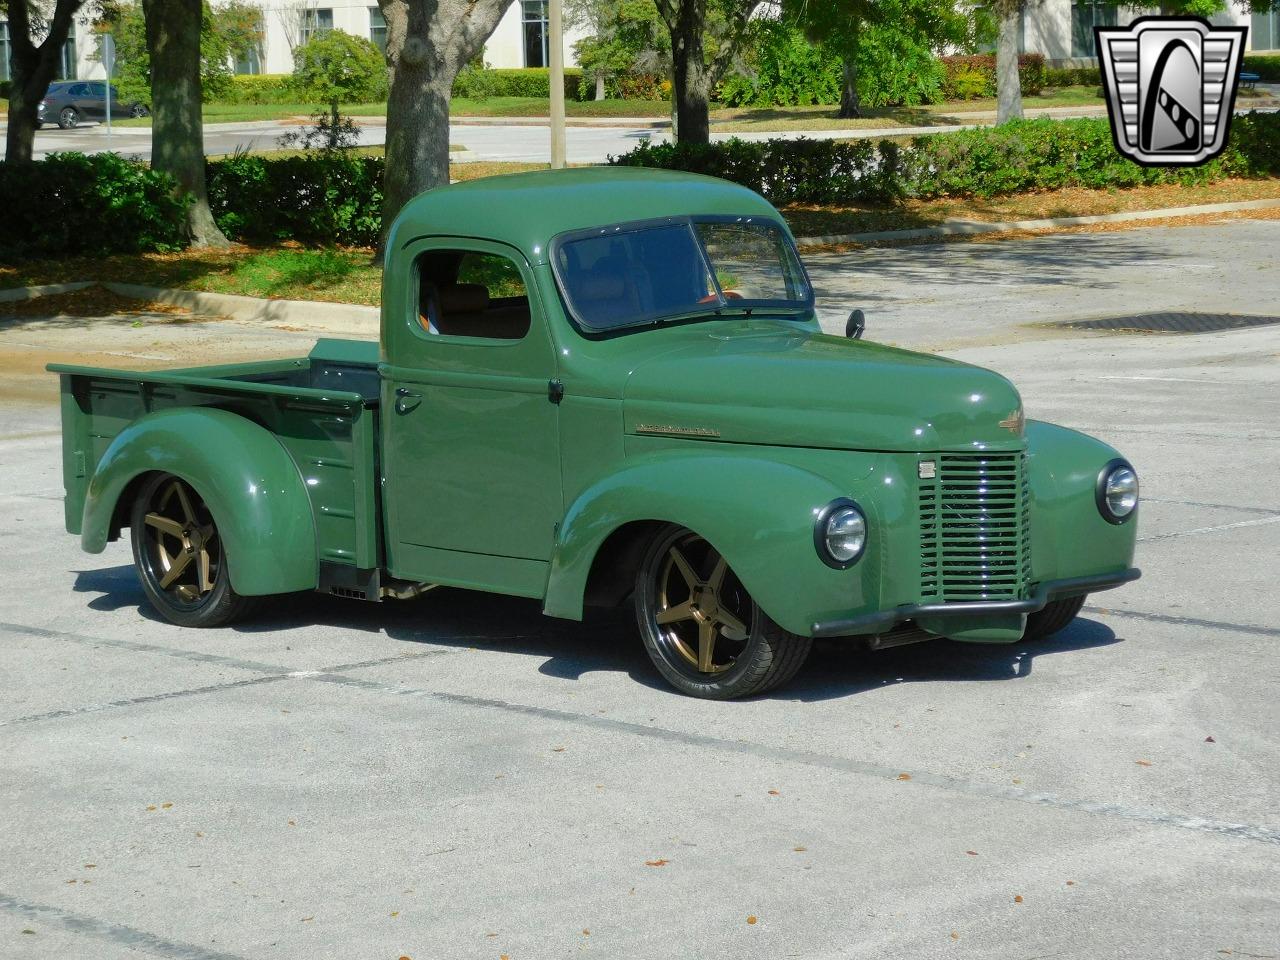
x=1222, y=526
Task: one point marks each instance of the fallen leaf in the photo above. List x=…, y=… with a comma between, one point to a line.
x=151, y=806
x=199, y=834
x=1143, y=763
x=904, y=776
x=1071, y=883
x=774, y=793
x=71, y=881
x=490, y=934
x=165, y=806
x=28, y=930
x=306, y=919
x=292, y=823
x=90, y=866
x=1016, y=780
x=972, y=853
x=586, y=933
x=1210, y=740
x=1017, y=898
x=395, y=913
x=557, y=749
x=752, y=919
x=800, y=849
x=955, y=935
x=656, y=863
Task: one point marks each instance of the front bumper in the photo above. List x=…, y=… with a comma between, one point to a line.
x=884, y=620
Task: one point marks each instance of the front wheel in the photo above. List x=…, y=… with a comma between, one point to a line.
x=68, y=118
x=180, y=558
x=701, y=628
x=137, y=111
x=1052, y=618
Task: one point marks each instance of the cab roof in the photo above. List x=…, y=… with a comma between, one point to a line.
x=527, y=209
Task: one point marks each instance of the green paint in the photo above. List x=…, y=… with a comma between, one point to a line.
x=739, y=428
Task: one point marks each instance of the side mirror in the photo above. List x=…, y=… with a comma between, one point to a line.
x=856, y=325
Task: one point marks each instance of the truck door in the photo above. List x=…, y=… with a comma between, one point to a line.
x=471, y=459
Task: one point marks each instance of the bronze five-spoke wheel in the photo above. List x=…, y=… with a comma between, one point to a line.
x=702, y=629
x=179, y=555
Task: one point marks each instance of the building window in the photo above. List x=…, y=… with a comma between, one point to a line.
x=315, y=21
x=377, y=29
x=1084, y=17
x=249, y=60
x=67, y=64
x=535, y=32
x=1265, y=32
x=4, y=50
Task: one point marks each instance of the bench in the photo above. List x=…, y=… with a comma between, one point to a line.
x=1249, y=80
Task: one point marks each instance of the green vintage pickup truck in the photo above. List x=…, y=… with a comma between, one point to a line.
x=595, y=386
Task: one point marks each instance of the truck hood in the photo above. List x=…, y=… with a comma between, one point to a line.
x=795, y=388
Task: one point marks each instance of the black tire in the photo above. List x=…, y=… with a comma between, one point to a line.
x=138, y=111
x=179, y=556
x=1052, y=618
x=68, y=118
x=747, y=653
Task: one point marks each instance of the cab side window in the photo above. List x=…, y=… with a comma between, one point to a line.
x=465, y=293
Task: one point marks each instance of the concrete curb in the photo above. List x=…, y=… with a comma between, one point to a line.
x=962, y=227
x=309, y=314
x=48, y=290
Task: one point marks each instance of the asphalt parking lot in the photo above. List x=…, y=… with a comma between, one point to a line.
x=458, y=777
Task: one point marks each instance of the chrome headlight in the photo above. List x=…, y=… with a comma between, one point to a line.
x=1117, y=491
x=840, y=534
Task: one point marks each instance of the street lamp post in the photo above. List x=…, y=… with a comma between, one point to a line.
x=555, y=24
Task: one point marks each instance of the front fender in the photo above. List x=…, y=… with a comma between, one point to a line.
x=249, y=481
x=1069, y=537
x=758, y=513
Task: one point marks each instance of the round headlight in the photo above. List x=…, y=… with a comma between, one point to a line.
x=1117, y=491
x=841, y=534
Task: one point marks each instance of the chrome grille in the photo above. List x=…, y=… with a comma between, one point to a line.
x=974, y=528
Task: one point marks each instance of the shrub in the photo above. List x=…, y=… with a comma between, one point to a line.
x=1266, y=67
x=516, y=82
x=319, y=198
x=71, y=204
x=1042, y=154
x=783, y=70
x=1072, y=76
x=262, y=88
x=335, y=67
x=1031, y=73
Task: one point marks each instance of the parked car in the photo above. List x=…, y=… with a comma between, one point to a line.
x=68, y=102
x=603, y=384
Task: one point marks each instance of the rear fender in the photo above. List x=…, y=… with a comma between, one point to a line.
x=251, y=484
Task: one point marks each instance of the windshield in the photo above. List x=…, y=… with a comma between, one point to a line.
x=642, y=274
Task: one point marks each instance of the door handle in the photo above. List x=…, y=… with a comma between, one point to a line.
x=406, y=399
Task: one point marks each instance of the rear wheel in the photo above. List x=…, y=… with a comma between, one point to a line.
x=1052, y=618
x=68, y=118
x=137, y=111
x=180, y=557
x=701, y=628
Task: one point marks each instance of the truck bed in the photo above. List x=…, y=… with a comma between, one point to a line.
x=323, y=408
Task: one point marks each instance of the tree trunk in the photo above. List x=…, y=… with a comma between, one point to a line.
x=689, y=81
x=1008, y=83
x=32, y=69
x=428, y=42
x=600, y=91
x=177, y=128
x=849, y=105
x=334, y=120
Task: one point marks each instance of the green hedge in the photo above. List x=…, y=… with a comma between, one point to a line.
x=1266, y=67
x=321, y=198
x=1072, y=76
x=516, y=82
x=1042, y=154
x=261, y=88
x=972, y=77
x=71, y=204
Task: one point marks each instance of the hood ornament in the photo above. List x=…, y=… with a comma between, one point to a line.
x=1015, y=422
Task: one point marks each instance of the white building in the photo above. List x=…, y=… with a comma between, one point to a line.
x=520, y=39
x=1062, y=30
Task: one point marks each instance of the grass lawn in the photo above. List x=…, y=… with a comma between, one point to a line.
x=347, y=275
